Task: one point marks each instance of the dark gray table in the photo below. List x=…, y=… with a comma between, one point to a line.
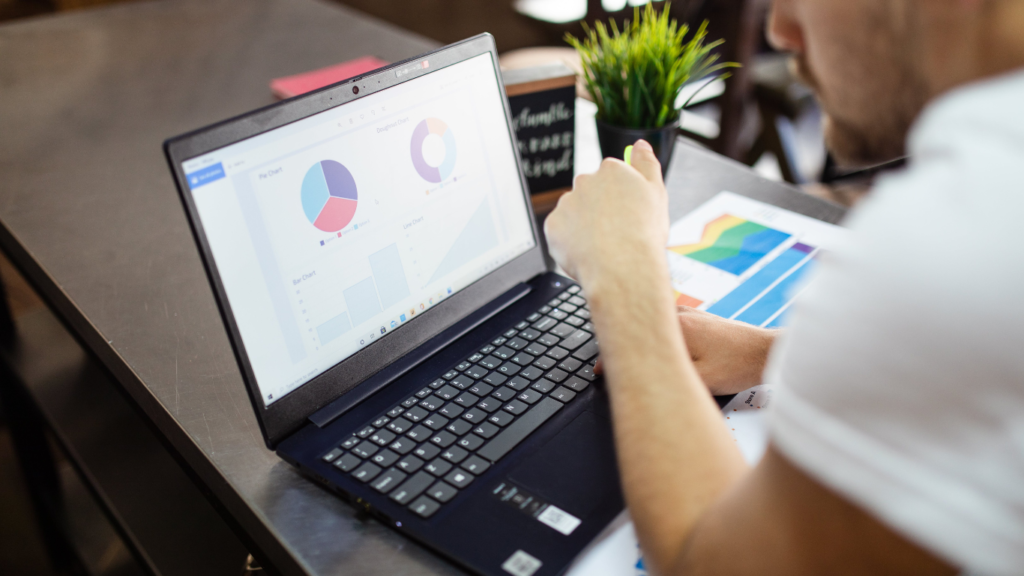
x=89, y=213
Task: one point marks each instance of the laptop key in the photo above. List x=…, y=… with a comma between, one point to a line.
x=518, y=383
x=495, y=378
x=481, y=389
x=543, y=385
x=587, y=351
x=530, y=396
x=575, y=340
x=432, y=403
x=536, y=349
x=554, y=302
x=399, y=426
x=332, y=455
x=365, y=449
x=451, y=410
x=388, y=480
x=516, y=343
x=476, y=372
x=509, y=368
x=459, y=478
x=487, y=349
x=558, y=314
x=410, y=464
x=475, y=415
x=435, y=421
x=498, y=341
x=424, y=392
x=563, y=394
x=510, y=333
x=516, y=407
x=350, y=442
x=504, y=353
x=410, y=402
x=454, y=454
x=466, y=399
x=522, y=325
x=420, y=433
x=380, y=421
x=462, y=382
x=382, y=437
x=504, y=393
x=544, y=309
x=384, y=458
x=462, y=366
x=366, y=472
x=396, y=411
x=523, y=359
x=470, y=442
x=569, y=364
x=533, y=317
x=442, y=439
x=489, y=404
x=475, y=465
x=441, y=492
x=415, y=414
x=347, y=463
x=576, y=384
x=544, y=324
x=567, y=307
x=475, y=358
x=510, y=437
x=529, y=334
x=437, y=383
x=583, y=313
x=486, y=430
x=438, y=467
x=587, y=373
x=544, y=363
x=402, y=445
x=490, y=362
x=365, y=432
x=424, y=507
x=448, y=392
x=574, y=289
x=576, y=301
x=575, y=321
x=449, y=374
x=558, y=353
x=426, y=451
x=556, y=375
x=549, y=339
x=459, y=427
x=501, y=418
x=412, y=488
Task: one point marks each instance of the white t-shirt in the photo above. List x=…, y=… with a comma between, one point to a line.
x=901, y=380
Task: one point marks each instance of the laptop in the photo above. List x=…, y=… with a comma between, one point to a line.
x=374, y=255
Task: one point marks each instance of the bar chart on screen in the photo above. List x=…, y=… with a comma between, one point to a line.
x=745, y=260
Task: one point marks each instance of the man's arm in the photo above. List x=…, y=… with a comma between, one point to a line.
x=687, y=487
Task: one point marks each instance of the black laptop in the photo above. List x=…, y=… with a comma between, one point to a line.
x=376, y=261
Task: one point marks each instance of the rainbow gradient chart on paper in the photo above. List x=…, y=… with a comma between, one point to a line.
x=744, y=260
x=732, y=244
x=423, y=130
x=329, y=196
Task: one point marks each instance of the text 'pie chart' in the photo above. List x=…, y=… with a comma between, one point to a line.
x=433, y=167
x=329, y=196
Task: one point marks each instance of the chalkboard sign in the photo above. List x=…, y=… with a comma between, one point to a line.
x=543, y=103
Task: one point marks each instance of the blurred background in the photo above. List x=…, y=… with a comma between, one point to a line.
x=760, y=117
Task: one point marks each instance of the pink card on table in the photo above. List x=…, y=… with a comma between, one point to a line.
x=290, y=86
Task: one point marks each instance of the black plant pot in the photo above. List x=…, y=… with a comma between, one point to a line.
x=614, y=140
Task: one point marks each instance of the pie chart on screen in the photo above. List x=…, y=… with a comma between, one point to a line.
x=329, y=196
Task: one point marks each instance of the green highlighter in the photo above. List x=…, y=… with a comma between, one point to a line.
x=628, y=155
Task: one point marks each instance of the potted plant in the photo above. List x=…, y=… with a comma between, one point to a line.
x=635, y=77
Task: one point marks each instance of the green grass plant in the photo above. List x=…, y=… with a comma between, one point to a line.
x=635, y=75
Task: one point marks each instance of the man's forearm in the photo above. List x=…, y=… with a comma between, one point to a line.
x=675, y=455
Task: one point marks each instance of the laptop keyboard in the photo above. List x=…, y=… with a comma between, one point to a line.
x=423, y=451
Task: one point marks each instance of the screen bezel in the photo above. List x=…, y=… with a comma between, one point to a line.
x=291, y=411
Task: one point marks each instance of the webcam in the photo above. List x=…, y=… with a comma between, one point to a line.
x=355, y=89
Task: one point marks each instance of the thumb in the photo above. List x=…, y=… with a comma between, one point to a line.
x=646, y=162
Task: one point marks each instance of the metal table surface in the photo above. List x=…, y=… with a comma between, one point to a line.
x=89, y=213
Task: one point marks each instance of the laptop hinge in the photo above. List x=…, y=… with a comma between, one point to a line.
x=400, y=367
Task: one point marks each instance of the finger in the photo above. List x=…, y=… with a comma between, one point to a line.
x=599, y=367
x=646, y=162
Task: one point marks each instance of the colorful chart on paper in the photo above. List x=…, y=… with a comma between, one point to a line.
x=732, y=244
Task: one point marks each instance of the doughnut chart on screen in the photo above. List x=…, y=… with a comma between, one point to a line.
x=433, y=126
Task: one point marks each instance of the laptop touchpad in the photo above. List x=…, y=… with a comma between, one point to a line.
x=575, y=470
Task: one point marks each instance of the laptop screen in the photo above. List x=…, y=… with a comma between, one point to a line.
x=333, y=231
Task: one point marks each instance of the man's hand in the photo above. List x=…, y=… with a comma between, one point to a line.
x=612, y=221
x=730, y=356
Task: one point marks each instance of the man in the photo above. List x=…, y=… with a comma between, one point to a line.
x=897, y=440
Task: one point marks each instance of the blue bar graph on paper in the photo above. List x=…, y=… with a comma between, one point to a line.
x=361, y=300
x=389, y=276
x=333, y=328
x=734, y=301
x=777, y=298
